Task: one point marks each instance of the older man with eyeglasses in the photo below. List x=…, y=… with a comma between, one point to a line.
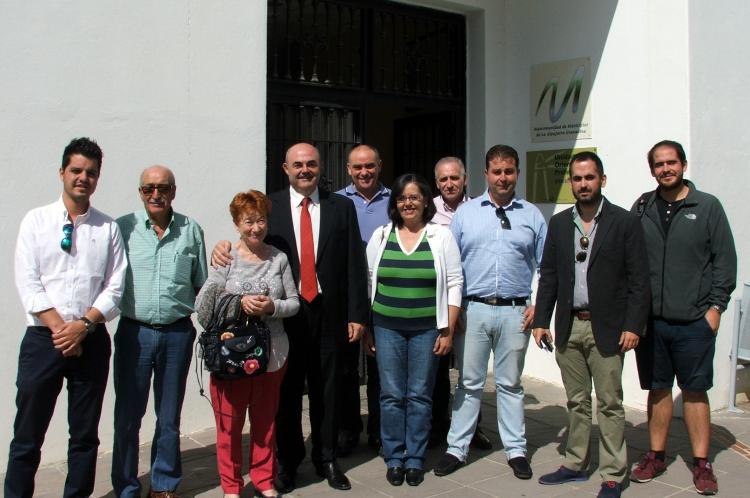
x=167, y=257
x=70, y=271
x=501, y=238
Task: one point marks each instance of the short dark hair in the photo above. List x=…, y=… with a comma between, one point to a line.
x=85, y=147
x=677, y=146
x=586, y=155
x=398, y=189
x=501, y=152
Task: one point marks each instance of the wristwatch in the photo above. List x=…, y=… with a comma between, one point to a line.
x=718, y=308
x=90, y=326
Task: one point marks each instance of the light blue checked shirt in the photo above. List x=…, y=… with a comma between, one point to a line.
x=163, y=275
x=497, y=262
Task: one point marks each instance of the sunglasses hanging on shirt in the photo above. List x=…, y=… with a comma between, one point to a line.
x=504, y=221
x=584, y=242
x=67, y=242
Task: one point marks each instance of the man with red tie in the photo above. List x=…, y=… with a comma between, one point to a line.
x=319, y=233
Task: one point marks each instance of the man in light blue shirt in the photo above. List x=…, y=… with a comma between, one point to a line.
x=501, y=238
x=370, y=198
x=155, y=335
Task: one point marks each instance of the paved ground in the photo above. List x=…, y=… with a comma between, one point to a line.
x=487, y=473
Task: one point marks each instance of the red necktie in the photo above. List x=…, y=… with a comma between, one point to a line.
x=307, y=255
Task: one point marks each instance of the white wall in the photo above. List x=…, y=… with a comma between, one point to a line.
x=171, y=82
x=719, y=137
x=660, y=71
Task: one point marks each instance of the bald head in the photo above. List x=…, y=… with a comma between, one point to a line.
x=302, y=167
x=159, y=171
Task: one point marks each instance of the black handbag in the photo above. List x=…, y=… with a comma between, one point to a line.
x=237, y=346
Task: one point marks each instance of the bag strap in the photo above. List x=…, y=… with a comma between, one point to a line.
x=641, y=204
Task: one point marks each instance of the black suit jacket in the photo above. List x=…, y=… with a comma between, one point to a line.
x=617, y=277
x=340, y=263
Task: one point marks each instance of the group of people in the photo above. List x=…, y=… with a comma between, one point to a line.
x=414, y=277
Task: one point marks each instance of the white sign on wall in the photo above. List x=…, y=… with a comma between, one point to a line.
x=560, y=106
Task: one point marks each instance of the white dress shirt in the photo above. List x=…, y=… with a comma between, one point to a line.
x=295, y=198
x=92, y=274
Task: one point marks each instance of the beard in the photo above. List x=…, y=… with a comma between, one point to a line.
x=596, y=196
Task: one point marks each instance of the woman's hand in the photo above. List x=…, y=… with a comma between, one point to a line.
x=443, y=343
x=257, y=305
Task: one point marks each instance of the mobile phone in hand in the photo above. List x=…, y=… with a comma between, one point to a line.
x=547, y=344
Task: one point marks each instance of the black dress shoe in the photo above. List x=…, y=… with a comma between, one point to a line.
x=480, y=440
x=285, y=480
x=447, y=465
x=395, y=476
x=521, y=467
x=332, y=473
x=414, y=477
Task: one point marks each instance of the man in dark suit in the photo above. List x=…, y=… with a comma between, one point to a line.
x=318, y=232
x=329, y=317
x=595, y=267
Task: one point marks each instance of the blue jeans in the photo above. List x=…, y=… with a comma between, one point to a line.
x=407, y=368
x=495, y=329
x=139, y=351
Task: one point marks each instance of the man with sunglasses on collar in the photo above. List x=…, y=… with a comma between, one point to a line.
x=70, y=271
x=167, y=257
x=501, y=238
x=595, y=268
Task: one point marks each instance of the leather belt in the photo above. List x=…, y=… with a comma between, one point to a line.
x=158, y=326
x=499, y=301
x=584, y=315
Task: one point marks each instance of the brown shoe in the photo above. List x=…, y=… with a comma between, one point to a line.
x=647, y=468
x=162, y=494
x=704, y=478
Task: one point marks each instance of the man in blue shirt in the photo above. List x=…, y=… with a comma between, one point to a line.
x=501, y=238
x=370, y=198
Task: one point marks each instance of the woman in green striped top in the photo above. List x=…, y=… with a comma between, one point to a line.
x=415, y=289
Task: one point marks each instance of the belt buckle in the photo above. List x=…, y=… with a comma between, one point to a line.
x=492, y=300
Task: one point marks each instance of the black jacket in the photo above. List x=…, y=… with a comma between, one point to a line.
x=617, y=278
x=340, y=263
x=695, y=264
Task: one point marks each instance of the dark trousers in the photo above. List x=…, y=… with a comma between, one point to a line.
x=313, y=355
x=351, y=420
x=41, y=370
x=441, y=397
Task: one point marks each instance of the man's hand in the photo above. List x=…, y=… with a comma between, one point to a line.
x=443, y=343
x=713, y=317
x=368, y=340
x=355, y=331
x=528, y=317
x=68, y=338
x=628, y=341
x=538, y=333
x=220, y=255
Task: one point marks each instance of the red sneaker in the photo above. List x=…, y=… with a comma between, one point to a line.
x=648, y=468
x=704, y=478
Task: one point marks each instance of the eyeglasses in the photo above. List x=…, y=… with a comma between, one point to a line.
x=504, y=221
x=149, y=189
x=67, y=242
x=401, y=199
x=584, y=242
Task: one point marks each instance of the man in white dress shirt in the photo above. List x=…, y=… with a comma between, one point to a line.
x=70, y=268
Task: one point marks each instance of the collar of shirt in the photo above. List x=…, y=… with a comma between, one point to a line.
x=296, y=198
x=577, y=217
x=513, y=204
x=143, y=215
x=81, y=218
x=442, y=205
x=383, y=191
